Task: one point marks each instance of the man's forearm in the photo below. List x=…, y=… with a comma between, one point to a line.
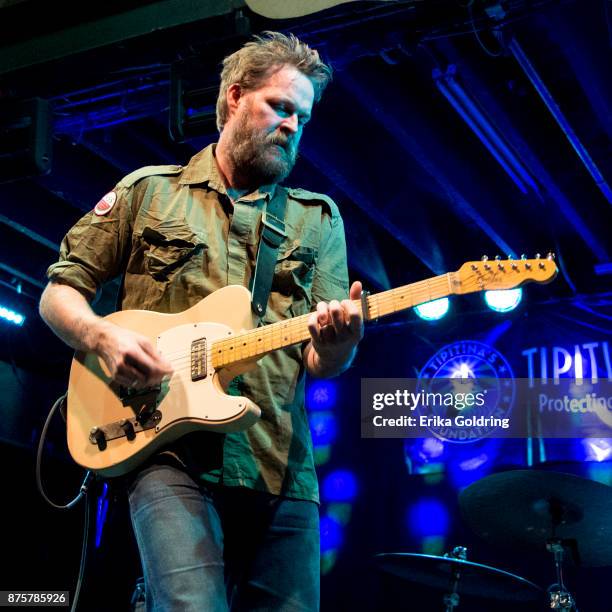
x=326, y=368
x=69, y=315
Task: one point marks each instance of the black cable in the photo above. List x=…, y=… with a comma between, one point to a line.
x=82, y=493
x=77, y=590
x=41, y=443
x=475, y=31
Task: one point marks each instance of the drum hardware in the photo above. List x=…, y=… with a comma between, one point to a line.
x=546, y=511
x=453, y=574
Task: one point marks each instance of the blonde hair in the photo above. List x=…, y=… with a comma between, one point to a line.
x=265, y=54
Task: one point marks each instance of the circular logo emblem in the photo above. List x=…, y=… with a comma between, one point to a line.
x=105, y=205
x=469, y=388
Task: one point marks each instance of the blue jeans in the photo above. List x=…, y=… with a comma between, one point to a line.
x=214, y=548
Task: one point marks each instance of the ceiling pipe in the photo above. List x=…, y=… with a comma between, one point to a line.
x=482, y=127
x=555, y=111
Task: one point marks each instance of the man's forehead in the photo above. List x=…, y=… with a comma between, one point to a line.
x=289, y=80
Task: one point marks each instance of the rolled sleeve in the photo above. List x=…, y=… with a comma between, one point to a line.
x=95, y=249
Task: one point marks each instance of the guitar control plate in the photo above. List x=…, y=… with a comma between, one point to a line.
x=122, y=429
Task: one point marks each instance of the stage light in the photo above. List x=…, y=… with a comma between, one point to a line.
x=323, y=428
x=468, y=463
x=428, y=517
x=321, y=395
x=11, y=316
x=339, y=486
x=425, y=456
x=322, y=454
x=340, y=512
x=434, y=310
x=503, y=301
x=597, y=449
x=331, y=534
x=101, y=513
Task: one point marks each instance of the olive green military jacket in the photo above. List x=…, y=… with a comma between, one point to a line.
x=174, y=235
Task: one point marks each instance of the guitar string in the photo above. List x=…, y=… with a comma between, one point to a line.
x=297, y=324
x=379, y=303
x=291, y=326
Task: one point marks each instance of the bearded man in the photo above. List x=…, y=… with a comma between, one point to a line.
x=223, y=520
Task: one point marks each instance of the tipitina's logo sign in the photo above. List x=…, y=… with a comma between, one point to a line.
x=475, y=387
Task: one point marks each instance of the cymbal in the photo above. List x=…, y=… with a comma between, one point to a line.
x=474, y=579
x=524, y=508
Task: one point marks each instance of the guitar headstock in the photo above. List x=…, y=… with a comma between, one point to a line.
x=498, y=274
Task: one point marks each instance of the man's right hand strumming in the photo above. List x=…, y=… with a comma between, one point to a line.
x=131, y=358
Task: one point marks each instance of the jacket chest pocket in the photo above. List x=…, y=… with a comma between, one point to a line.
x=291, y=293
x=169, y=248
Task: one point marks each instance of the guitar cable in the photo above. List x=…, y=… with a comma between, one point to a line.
x=81, y=494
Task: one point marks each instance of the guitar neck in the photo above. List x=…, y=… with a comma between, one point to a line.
x=255, y=343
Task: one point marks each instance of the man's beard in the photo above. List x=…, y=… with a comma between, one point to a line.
x=259, y=158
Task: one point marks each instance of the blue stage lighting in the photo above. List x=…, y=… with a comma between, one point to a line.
x=434, y=310
x=101, y=513
x=424, y=456
x=597, y=449
x=331, y=534
x=503, y=301
x=321, y=395
x=11, y=316
x=323, y=427
x=468, y=463
x=428, y=517
x=339, y=486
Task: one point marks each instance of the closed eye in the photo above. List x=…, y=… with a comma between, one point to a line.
x=286, y=109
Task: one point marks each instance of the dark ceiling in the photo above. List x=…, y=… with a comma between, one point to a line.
x=398, y=140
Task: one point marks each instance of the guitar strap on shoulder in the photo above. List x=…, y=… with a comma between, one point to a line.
x=273, y=234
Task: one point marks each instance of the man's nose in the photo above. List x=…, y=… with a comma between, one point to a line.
x=291, y=123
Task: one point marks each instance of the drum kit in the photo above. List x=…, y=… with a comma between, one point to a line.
x=564, y=515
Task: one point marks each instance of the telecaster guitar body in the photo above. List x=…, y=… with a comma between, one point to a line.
x=182, y=405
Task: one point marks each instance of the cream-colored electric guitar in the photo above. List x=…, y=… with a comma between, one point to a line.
x=111, y=429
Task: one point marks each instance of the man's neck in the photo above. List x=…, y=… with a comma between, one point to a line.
x=228, y=172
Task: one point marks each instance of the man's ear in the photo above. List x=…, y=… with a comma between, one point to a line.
x=233, y=95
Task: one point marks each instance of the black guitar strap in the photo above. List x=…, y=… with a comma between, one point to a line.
x=271, y=237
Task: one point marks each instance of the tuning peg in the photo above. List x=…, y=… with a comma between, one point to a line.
x=541, y=265
x=510, y=256
x=550, y=256
x=527, y=266
x=513, y=266
x=484, y=258
x=523, y=256
x=537, y=256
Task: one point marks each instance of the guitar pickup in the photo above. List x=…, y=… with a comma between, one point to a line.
x=198, y=359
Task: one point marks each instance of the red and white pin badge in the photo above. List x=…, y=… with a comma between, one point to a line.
x=105, y=205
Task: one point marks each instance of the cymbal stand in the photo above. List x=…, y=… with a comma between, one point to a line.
x=560, y=597
x=451, y=600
